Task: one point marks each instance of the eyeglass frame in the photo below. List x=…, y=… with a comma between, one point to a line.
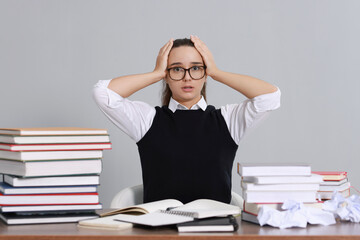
x=186, y=70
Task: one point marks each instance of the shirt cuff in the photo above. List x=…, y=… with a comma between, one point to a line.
x=267, y=102
x=113, y=99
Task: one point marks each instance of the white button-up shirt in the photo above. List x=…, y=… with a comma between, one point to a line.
x=135, y=117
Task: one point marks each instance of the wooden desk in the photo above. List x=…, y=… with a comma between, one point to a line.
x=246, y=230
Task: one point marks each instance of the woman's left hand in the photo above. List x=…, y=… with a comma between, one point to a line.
x=206, y=55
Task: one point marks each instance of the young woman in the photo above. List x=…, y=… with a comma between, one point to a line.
x=186, y=147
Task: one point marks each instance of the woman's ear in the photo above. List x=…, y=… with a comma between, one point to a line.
x=165, y=80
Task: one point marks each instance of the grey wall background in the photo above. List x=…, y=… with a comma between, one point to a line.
x=53, y=52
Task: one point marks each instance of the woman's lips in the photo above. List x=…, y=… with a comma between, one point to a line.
x=187, y=88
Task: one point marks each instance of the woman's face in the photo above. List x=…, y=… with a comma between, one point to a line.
x=186, y=90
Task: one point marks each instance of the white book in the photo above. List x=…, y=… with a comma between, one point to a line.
x=52, y=131
x=47, y=208
x=331, y=188
x=280, y=187
x=50, y=155
x=326, y=195
x=52, y=181
x=254, y=208
x=314, y=178
x=273, y=169
x=12, y=218
x=334, y=183
x=55, y=199
x=50, y=168
x=7, y=189
x=279, y=196
x=53, y=139
x=55, y=147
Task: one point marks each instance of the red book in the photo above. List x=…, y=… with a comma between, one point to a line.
x=332, y=175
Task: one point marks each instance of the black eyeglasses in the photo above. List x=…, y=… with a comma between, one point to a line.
x=195, y=72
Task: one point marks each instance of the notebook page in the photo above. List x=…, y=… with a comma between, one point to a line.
x=154, y=219
x=209, y=208
x=160, y=205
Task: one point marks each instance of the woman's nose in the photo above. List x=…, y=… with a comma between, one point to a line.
x=187, y=76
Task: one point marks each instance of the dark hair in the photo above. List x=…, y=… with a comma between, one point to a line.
x=166, y=92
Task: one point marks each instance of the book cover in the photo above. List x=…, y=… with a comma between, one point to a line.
x=254, y=208
x=332, y=175
x=52, y=181
x=54, y=199
x=280, y=187
x=55, y=147
x=278, y=196
x=332, y=188
x=248, y=217
x=326, y=195
x=7, y=189
x=51, y=208
x=15, y=139
x=314, y=178
x=273, y=169
x=52, y=131
x=214, y=224
x=49, y=155
x=13, y=218
x=50, y=168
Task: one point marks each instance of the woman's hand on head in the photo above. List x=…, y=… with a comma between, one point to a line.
x=207, y=56
x=162, y=58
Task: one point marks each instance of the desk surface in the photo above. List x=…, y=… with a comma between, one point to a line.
x=246, y=230
x=66, y=231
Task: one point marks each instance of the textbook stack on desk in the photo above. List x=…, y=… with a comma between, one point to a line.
x=50, y=174
x=333, y=181
x=272, y=184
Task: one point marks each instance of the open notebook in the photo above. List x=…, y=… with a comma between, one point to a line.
x=198, y=209
x=159, y=213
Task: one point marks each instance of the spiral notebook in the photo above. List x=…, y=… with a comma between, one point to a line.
x=198, y=209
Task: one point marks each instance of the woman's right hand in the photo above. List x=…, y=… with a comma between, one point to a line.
x=162, y=58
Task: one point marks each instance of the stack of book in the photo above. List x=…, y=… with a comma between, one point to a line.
x=273, y=184
x=333, y=181
x=50, y=175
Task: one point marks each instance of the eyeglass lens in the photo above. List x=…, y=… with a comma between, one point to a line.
x=178, y=73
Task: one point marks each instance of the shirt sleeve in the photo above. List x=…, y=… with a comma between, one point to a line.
x=133, y=117
x=241, y=117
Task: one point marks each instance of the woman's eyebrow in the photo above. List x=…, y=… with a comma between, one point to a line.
x=179, y=63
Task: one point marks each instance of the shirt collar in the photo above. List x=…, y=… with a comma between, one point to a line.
x=174, y=105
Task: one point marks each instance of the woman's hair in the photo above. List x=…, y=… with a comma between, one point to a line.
x=166, y=92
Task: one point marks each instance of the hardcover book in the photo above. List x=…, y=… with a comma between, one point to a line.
x=53, y=180
x=55, y=147
x=52, y=131
x=50, y=168
x=49, y=155
x=273, y=169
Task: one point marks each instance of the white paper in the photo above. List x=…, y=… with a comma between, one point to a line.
x=347, y=209
x=295, y=214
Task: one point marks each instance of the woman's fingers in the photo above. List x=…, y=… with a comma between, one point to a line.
x=166, y=48
x=205, y=53
x=161, y=61
x=200, y=46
